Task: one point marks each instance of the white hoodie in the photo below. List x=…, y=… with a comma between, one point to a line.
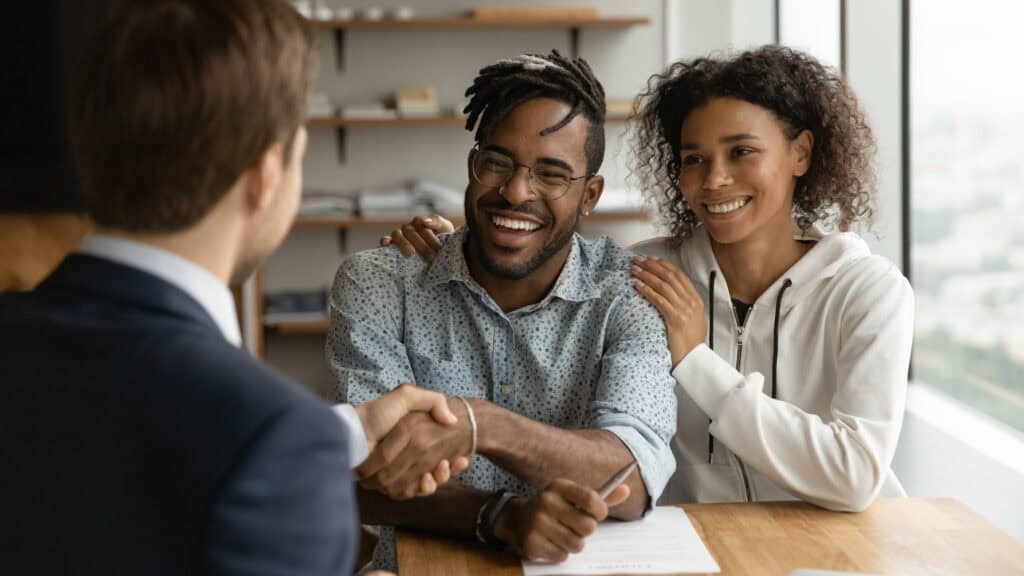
x=828, y=432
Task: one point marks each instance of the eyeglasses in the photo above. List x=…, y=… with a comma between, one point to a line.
x=494, y=170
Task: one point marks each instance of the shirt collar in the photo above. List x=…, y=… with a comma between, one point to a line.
x=574, y=283
x=203, y=287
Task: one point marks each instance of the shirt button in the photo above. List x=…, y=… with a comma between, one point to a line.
x=506, y=389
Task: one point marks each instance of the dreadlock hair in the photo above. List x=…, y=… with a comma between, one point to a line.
x=500, y=87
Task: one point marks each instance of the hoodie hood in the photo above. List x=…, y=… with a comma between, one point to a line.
x=830, y=254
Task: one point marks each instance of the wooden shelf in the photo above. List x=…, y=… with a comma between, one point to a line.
x=293, y=328
x=463, y=22
x=314, y=223
x=447, y=120
x=311, y=223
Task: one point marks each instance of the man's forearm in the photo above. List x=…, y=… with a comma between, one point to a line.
x=451, y=510
x=539, y=453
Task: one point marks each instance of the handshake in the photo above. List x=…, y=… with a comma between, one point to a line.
x=415, y=442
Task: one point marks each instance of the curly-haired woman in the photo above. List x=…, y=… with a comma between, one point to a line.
x=790, y=343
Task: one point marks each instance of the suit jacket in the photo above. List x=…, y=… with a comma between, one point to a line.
x=134, y=439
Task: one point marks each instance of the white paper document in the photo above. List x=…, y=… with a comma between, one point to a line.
x=664, y=542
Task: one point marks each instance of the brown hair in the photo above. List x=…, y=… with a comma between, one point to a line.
x=838, y=189
x=175, y=99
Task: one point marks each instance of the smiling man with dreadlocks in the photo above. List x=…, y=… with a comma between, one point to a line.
x=557, y=369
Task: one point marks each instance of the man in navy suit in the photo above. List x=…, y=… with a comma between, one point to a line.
x=136, y=436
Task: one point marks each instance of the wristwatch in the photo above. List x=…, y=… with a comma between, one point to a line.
x=488, y=515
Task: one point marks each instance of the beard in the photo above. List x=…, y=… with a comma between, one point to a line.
x=556, y=242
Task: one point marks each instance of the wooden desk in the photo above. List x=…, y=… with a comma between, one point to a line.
x=894, y=536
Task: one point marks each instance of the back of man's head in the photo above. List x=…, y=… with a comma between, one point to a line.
x=175, y=99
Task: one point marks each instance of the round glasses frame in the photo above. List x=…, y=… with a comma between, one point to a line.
x=532, y=179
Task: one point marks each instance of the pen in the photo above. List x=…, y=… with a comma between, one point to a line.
x=615, y=480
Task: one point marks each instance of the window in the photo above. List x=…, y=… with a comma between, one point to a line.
x=814, y=27
x=967, y=202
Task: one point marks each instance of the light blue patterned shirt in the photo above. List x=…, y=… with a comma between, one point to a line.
x=591, y=354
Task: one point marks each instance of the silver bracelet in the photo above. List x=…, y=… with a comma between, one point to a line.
x=472, y=423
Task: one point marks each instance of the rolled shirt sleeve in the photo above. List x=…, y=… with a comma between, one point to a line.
x=635, y=396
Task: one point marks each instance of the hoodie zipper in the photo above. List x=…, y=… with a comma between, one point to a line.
x=739, y=358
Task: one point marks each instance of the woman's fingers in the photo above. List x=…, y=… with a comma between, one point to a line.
x=672, y=277
x=657, y=283
x=655, y=298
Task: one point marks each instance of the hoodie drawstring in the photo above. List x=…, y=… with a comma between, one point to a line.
x=711, y=344
x=775, y=341
x=775, y=335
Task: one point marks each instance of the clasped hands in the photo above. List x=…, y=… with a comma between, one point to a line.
x=418, y=440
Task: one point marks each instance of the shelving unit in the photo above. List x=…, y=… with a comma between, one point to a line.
x=445, y=120
x=466, y=22
x=341, y=124
x=573, y=25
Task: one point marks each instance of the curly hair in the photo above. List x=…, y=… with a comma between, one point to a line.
x=838, y=189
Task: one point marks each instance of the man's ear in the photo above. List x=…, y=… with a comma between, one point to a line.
x=803, y=147
x=469, y=164
x=263, y=178
x=592, y=189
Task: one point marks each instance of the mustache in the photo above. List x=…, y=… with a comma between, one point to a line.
x=499, y=203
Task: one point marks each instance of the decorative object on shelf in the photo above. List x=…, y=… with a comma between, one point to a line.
x=616, y=108
x=373, y=13
x=417, y=102
x=403, y=13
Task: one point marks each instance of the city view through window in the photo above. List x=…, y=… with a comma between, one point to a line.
x=967, y=199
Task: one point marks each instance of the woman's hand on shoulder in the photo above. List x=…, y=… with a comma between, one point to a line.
x=419, y=236
x=682, y=309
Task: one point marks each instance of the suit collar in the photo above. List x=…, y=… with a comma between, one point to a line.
x=205, y=288
x=109, y=280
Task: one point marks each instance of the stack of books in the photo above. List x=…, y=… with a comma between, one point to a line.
x=294, y=307
x=327, y=203
x=373, y=111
